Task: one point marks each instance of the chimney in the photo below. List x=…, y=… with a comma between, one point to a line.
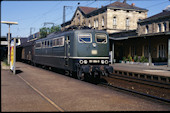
x=133, y=4
x=124, y=1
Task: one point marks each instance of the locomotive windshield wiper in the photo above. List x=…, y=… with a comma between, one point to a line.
x=82, y=40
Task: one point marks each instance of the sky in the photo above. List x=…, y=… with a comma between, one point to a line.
x=33, y=14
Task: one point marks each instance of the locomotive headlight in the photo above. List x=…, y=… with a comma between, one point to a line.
x=94, y=44
x=102, y=61
x=81, y=61
x=85, y=61
x=106, y=61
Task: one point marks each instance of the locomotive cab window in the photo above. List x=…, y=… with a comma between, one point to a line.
x=85, y=38
x=101, y=38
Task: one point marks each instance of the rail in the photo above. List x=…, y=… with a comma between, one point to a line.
x=157, y=91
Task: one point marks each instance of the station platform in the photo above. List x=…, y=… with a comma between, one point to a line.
x=157, y=73
x=34, y=89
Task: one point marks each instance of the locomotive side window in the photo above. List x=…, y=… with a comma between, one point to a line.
x=45, y=43
x=38, y=45
x=57, y=42
x=50, y=43
x=101, y=38
x=85, y=38
x=42, y=44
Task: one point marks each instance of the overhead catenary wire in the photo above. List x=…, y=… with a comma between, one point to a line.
x=72, y=11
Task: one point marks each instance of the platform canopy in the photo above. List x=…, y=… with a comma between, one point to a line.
x=7, y=22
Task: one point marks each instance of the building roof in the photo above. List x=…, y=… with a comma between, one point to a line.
x=120, y=5
x=163, y=14
x=87, y=10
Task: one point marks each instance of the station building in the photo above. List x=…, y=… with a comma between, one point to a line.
x=115, y=17
x=151, y=39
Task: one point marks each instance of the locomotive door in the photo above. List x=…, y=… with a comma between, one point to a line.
x=67, y=50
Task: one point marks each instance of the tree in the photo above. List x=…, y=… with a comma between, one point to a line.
x=46, y=30
x=55, y=29
x=43, y=32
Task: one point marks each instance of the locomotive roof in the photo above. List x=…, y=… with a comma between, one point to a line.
x=67, y=32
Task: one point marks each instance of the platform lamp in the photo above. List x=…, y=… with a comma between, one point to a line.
x=9, y=23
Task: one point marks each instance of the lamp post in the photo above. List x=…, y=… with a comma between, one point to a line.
x=9, y=23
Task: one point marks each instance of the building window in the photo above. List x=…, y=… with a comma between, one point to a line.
x=94, y=23
x=127, y=23
x=159, y=27
x=102, y=21
x=97, y=23
x=164, y=27
x=89, y=24
x=114, y=22
x=161, y=51
x=147, y=29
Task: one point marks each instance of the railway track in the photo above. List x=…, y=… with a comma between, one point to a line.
x=153, y=90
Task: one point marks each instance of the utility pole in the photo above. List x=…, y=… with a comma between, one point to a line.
x=9, y=23
x=64, y=9
x=31, y=30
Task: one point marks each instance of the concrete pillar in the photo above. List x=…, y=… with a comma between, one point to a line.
x=169, y=52
x=150, y=57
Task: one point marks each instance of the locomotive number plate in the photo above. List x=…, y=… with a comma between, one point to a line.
x=93, y=52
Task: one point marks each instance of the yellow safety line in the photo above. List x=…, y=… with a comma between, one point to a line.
x=56, y=106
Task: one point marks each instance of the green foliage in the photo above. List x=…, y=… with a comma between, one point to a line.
x=135, y=58
x=143, y=59
x=129, y=58
x=46, y=30
x=43, y=32
x=124, y=58
x=55, y=29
